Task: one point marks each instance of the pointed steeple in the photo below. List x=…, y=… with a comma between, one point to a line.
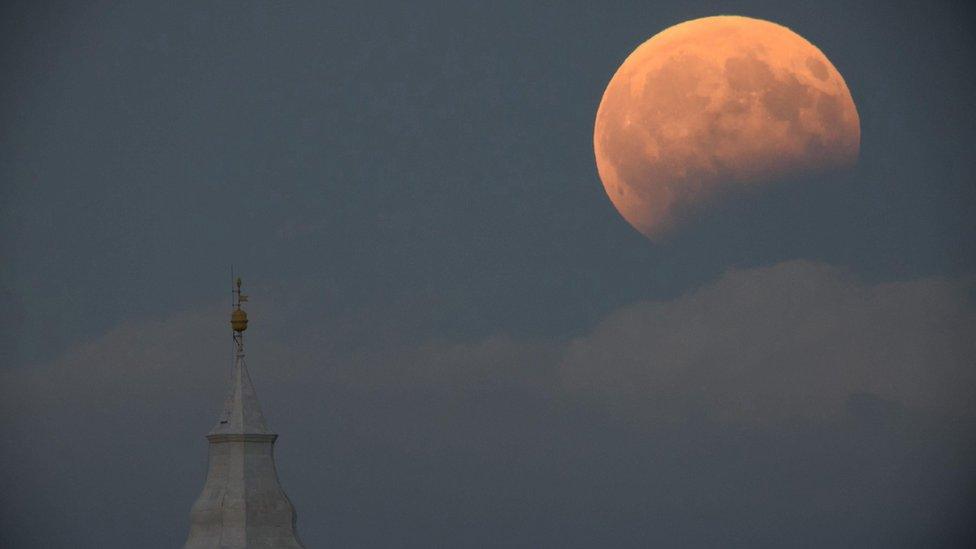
x=242, y=505
x=242, y=411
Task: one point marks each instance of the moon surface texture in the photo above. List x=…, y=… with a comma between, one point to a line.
x=714, y=106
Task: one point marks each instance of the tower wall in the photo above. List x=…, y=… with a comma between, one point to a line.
x=242, y=505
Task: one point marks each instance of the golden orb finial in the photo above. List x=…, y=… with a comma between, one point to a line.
x=238, y=318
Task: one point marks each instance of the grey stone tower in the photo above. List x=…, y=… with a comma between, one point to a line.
x=242, y=505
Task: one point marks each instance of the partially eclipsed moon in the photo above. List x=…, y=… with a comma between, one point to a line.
x=714, y=105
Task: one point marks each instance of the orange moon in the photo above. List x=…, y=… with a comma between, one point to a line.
x=714, y=106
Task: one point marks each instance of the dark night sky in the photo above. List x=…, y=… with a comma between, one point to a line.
x=459, y=340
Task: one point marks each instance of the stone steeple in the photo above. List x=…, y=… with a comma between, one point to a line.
x=242, y=505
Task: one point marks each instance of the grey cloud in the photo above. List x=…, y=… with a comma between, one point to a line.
x=794, y=339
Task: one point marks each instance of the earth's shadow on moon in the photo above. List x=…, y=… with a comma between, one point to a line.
x=807, y=216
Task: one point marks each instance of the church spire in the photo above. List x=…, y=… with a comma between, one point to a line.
x=242, y=412
x=242, y=505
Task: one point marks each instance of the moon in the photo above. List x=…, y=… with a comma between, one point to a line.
x=715, y=106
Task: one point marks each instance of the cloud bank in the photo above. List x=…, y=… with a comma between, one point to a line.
x=794, y=339
x=763, y=405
